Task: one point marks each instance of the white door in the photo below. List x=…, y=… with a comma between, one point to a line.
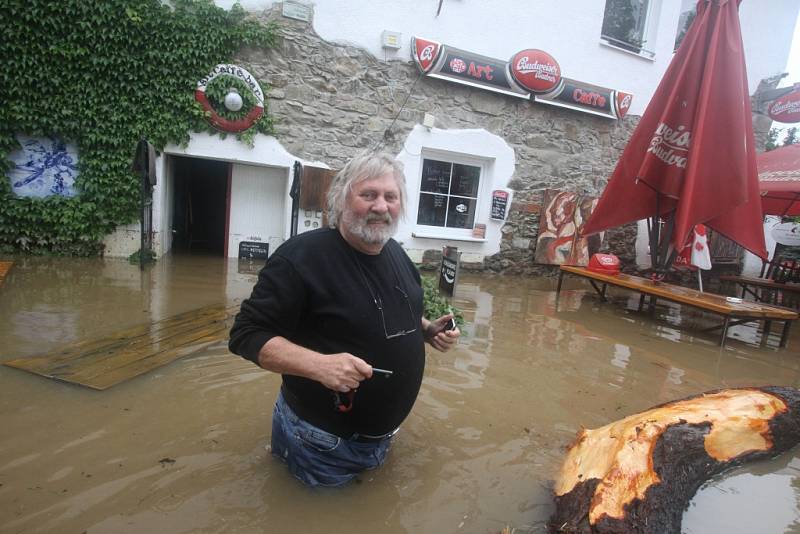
x=258, y=206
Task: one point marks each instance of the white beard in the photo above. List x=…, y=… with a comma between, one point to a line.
x=373, y=235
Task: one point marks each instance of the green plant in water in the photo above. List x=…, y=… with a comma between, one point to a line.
x=104, y=75
x=149, y=257
x=435, y=304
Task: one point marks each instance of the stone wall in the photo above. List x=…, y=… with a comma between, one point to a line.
x=331, y=101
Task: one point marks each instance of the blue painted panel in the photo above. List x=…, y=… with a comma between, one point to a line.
x=44, y=166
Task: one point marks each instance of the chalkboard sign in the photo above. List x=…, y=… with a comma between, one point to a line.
x=253, y=250
x=499, y=204
x=448, y=272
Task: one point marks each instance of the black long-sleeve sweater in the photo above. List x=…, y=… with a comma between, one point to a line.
x=318, y=292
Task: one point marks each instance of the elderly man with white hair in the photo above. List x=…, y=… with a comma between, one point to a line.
x=339, y=313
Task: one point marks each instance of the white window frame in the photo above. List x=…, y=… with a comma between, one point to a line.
x=649, y=33
x=481, y=204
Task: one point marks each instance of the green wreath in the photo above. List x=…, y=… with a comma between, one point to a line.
x=219, y=87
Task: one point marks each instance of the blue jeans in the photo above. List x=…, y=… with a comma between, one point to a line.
x=317, y=457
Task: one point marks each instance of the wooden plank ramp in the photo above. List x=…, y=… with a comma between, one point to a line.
x=5, y=266
x=102, y=363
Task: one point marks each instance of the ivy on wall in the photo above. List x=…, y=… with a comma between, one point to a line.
x=103, y=75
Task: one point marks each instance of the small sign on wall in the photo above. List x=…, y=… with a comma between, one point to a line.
x=253, y=250
x=499, y=204
x=297, y=11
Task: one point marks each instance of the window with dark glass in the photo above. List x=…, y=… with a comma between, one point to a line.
x=448, y=194
x=684, y=21
x=624, y=25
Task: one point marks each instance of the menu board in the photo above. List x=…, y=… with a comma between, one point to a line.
x=253, y=250
x=499, y=204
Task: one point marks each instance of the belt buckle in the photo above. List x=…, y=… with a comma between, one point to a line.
x=373, y=439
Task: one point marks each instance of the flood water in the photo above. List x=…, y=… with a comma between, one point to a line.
x=182, y=448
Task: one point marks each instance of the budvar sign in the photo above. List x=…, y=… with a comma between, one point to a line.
x=531, y=74
x=786, y=109
x=536, y=71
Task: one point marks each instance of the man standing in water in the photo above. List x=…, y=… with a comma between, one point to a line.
x=338, y=312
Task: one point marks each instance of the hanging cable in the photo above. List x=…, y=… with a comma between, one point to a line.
x=402, y=107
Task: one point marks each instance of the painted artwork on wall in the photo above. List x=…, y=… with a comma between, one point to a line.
x=44, y=166
x=562, y=218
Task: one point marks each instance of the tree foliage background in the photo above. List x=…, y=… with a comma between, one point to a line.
x=790, y=138
x=102, y=75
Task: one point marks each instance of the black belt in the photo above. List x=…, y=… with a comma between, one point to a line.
x=360, y=438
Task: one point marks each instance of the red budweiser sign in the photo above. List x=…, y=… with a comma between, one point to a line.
x=535, y=70
x=787, y=108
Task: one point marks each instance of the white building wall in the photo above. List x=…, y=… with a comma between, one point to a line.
x=569, y=31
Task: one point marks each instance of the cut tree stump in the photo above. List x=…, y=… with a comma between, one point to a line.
x=638, y=474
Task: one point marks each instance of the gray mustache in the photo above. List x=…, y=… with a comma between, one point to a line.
x=379, y=218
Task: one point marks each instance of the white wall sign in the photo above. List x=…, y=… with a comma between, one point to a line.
x=787, y=234
x=294, y=10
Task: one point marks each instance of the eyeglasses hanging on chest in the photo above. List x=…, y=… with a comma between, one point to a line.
x=379, y=304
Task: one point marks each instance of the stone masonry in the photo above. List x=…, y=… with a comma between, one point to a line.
x=331, y=101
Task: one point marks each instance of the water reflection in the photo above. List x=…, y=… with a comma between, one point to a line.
x=182, y=449
x=760, y=498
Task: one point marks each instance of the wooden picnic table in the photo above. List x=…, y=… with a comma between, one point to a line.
x=733, y=312
x=752, y=285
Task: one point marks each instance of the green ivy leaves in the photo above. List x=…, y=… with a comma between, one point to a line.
x=103, y=75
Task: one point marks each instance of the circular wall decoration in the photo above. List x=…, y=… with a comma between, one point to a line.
x=232, y=96
x=535, y=70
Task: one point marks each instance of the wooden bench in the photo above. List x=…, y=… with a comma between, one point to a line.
x=733, y=312
x=778, y=283
x=765, y=290
x=5, y=266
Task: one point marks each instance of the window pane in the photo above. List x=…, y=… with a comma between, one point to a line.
x=624, y=23
x=461, y=213
x=466, y=179
x=435, y=176
x=432, y=209
x=684, y=21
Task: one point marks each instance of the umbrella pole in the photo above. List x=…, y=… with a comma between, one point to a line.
x=666, y=238
x=700, y=279
x=654, y=234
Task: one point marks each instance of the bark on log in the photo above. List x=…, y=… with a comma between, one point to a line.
x=638, y=474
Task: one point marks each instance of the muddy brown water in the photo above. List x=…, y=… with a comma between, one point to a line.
x=182, y=449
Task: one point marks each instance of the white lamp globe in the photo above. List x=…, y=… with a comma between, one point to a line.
x=233, y=100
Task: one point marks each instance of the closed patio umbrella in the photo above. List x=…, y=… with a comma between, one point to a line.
x=692, y=157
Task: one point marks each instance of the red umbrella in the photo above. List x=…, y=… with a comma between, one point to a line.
x=779, y=180
x=691, y=158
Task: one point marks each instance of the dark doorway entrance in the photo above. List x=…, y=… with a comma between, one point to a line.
x=200, y=205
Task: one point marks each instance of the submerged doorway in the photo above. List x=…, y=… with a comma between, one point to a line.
x=199, y=209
